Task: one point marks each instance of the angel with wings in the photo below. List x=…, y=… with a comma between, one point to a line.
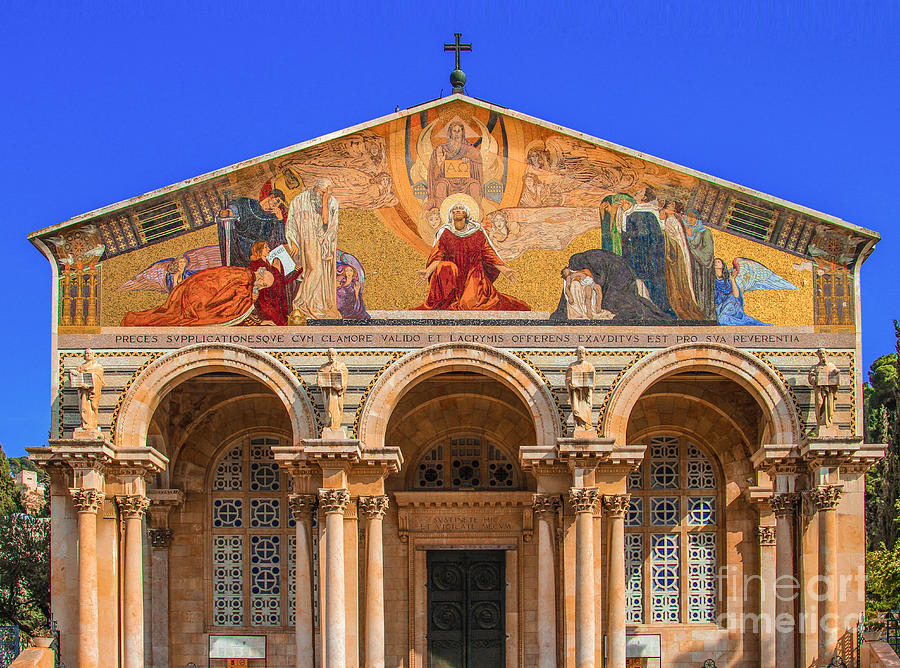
x=457, y=165
x=745, y=275
x=165, y=275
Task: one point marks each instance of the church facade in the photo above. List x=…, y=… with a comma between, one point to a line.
x=456, y=387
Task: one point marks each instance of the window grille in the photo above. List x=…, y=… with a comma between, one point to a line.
x=466, y=462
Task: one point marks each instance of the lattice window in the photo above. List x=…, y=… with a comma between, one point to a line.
x=253, y=537
x=672, y=535
x=465, y=462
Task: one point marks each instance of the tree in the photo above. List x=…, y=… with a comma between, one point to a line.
x=24, y=571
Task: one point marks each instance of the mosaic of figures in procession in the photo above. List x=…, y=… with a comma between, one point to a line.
x=455, y=209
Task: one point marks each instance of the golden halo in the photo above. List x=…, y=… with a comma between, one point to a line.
x=447, y=204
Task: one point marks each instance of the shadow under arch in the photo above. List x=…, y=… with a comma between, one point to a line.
x=486, y=360
x=748, y=371
x=147, y=390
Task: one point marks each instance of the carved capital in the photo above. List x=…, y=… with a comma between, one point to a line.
x=87, y=500
x=766, y=536
x=133, y=506
x=826, y=497
x=784, y=505
x=373, y=507
x=161, y=539
x=302, y=505
x=545, y=504
x=616, y=505
x=334, y=500
x=583, y=499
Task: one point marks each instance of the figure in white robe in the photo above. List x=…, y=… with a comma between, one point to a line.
x=311, y=232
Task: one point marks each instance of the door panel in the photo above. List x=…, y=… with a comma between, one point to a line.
x=466, y=594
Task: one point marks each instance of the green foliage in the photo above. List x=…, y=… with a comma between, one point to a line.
x=9, y=496
x=24, y=571
x=883, y=578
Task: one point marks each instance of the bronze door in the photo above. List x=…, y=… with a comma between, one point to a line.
x=466, y=593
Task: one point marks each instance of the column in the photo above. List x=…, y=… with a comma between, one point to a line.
x=303, y=506
x=373, y=509
x=133, y=507
x=545, y=509
x=583, y=500
x=333, y=502
x=87, y=502
x=826, y=499
x=615, y=506
x=767, y=612
x=784, y=505
x=160, y=542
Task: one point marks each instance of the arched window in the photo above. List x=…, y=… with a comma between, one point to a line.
x=671, y=539
x=465, y=461
x=253, y=538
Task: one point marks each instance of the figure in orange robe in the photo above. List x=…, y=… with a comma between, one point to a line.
x=462, y=268
x=210, y=297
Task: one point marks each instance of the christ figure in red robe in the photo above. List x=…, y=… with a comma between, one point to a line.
x=462, y=268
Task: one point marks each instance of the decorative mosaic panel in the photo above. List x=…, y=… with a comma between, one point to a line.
x=228, y=580
x=701, y=511
x=700, y=474
x=265, y=580
x=634, y=578
x=701, y=580
x=229, y=475
x=664, y=578
x=292, y=580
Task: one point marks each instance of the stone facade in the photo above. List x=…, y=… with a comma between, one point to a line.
x=288, y=488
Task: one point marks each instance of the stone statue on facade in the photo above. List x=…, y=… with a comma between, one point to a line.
x=825, y=379
x=580, y=380
x=87, y=378
x=332, y=379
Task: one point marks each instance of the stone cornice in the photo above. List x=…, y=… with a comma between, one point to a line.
x=99, y=455
x=849, y=453
x=581, y=453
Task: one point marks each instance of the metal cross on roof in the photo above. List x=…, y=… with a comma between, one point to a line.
x=457, y=47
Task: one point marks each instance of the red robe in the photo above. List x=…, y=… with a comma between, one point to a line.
x=209, y=297
x=464, y=277
x=274, y=303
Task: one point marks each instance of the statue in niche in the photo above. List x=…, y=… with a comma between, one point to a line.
x=825, y=379
x=580, y=380
x=332, y=379
x=87, y=378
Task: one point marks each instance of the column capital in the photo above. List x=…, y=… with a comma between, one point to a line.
x=784, y=504
x=133, y=506
x=334, y=500
x=373, y=507
x=826, y=497
x=161, y=539
x=302, y=505
x=616, y=505
x=583, y=499
x=766, y=536
x=86, y=500
x=545, y=504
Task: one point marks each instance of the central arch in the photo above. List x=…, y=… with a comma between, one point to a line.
x=447, y=357
x=148, y=389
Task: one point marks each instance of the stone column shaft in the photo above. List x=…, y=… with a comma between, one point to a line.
x=784, y=506
x=767, y=611
x=614, y=506
x=333, y=502
x=133, y=508
x=302, y=507
x=826, y=500
x=583, y=500
x=546, y=508
x=87, y=502
x=160, y=542
x=374, y=508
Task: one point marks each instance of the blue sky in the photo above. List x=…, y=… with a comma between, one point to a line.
x=105, y=101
